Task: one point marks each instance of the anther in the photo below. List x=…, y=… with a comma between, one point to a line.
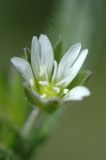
x=57, y=89
x=44, y=83
x=43, y=95
x=65, y=91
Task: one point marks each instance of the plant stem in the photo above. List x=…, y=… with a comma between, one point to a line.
x=31, y=123
x=28, y=133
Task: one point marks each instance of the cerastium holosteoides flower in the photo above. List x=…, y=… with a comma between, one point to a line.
x=49, y=84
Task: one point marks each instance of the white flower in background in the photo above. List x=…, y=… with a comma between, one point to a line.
x=47, y=80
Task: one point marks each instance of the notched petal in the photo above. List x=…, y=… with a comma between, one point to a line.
x=47, y=55
x=77, y=94
x=67, y=61
x=24, y=68
x=35, y=56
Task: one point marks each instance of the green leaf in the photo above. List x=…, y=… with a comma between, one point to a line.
x=3, y=91
x=80, y=79
x=58, y=50
x=17, y=106
x=10, y=135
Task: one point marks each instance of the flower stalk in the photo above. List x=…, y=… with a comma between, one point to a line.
x=49, y=82
x=30, y=124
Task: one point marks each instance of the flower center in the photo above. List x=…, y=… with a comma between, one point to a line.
x=48, y=90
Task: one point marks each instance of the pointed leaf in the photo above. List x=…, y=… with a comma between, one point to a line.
x=58, y=50
x=27, y=54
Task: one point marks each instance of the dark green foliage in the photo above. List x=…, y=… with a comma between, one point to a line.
x=58, y=50
x=80, y=79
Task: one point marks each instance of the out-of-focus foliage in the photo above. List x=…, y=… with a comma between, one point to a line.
x=13, y=108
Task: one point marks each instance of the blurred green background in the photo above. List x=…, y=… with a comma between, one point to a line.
x=81, y=132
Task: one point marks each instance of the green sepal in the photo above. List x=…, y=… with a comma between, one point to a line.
x=27, y=54
x=48, y=106
x=80, y=79
x=33, y=97
x=58, y=50
x=52, y=105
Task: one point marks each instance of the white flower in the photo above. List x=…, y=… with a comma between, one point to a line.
x=48, y=80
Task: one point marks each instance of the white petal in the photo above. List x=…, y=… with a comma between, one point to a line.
x=74, y=69
x=77, y=93
x=47, y=55
x=24, y=68
x=35, y=56
x=67, y=61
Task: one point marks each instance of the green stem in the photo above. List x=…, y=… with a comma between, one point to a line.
x=30, y=124
x=36, y=131
x=28, y=133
